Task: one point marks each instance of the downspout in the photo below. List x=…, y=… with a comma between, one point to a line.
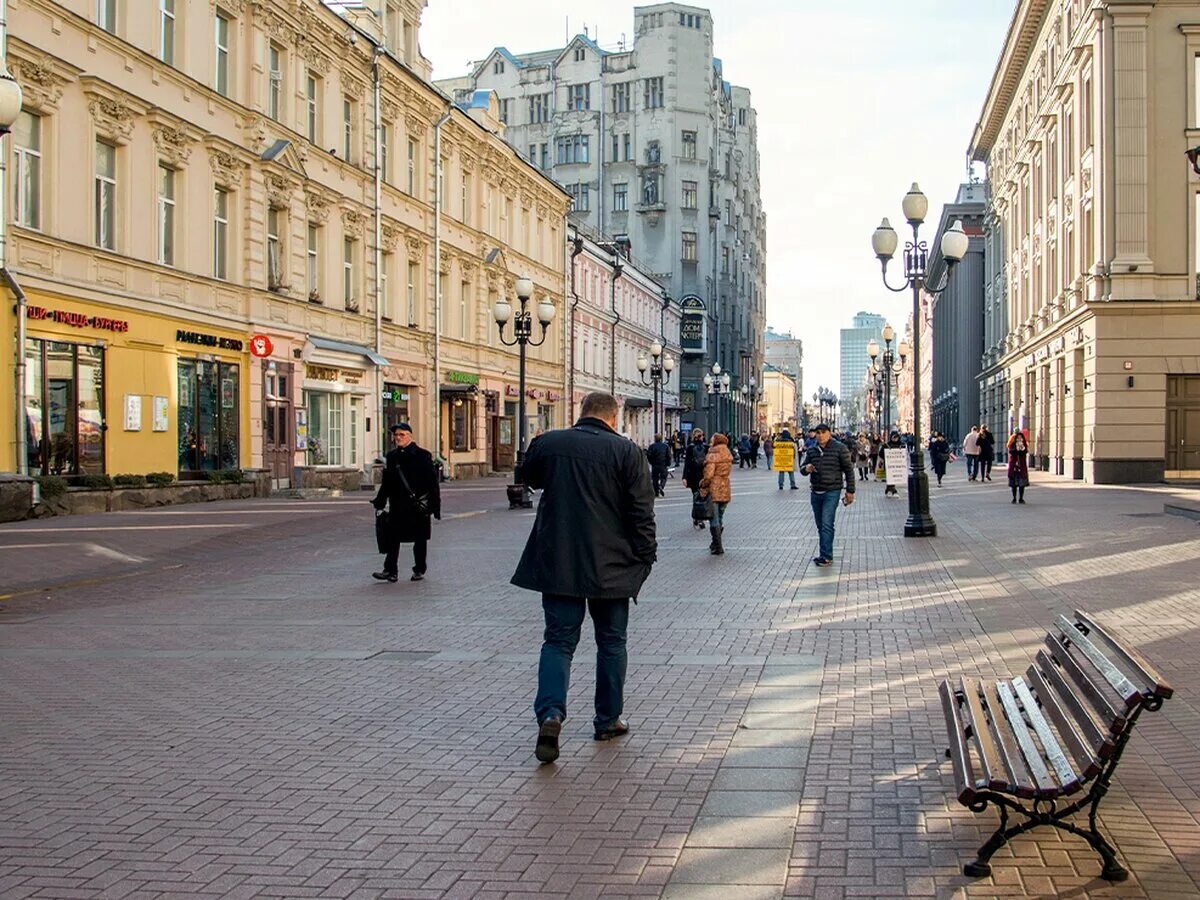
x=22, y=460
x=600, y=153
x=576, y=249
x=1105, y=156
x=612, y=368
x=437, y=283
x=379, y=375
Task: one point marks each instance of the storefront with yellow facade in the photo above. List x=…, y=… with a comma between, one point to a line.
x=118, y=391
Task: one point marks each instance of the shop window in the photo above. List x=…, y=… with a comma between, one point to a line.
x=462, y=420
x=545, y=418
x=64, y=408
x=209, y=415
x=395, y=405
x=27, y=150
x=325, y=432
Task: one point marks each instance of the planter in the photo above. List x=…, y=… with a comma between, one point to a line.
x=333, y=478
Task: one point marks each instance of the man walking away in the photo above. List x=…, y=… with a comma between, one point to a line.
x=411, y=492
x=659, y=456
x=755, y=443
x=591, y=547
x=828, y=465
x=769, y=450
x=693, y=471
x=971, y=452
x=744, y=451
x=987, y=453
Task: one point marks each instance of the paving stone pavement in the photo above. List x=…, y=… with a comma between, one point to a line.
x=217, y=701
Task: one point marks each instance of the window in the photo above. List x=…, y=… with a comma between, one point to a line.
x=461, y=419
x=312, y=252
x=573, y=149
x=166, y=216
x=741, y=116
x=208, y=415
x=580, y=54
x=391, y=27
x=545, y=156
x=348, y=275
x=221, y=70
x=579, y=96
x=689, y=195
x=166, y=31
x=64, y=408
x=348, y=109
x=1196, y=233
x=106, y=196
x=274, y=81
x=385, y=152
x=498, y=67
x=411, y=294
x=1196, y=88
x=220, y=233
x=466, y=198
x=626, y=147
x=325, y=431
x=689, y=246
x=539, y=109
x=621, y=98
x=106, y=15
x=1069, y=142
x=312, y=106
x=412, y=168
x=616, y=148
x=385, y=280
x=621, y=196
x=728, y=212
x=464, y=309
x=504, y=107
x=274, y=250
x=653, y=93
x=533, y=154
x=725, y=259
x=689, y=145
x=1085, y=115
x=580, y=195
x=27, y=150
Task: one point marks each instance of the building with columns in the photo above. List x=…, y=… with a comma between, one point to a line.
x=229, y=223
x=1094, y=216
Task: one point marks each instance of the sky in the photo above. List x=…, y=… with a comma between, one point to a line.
x=855, y=101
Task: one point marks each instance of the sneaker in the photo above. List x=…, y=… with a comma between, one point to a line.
x=822, y=562
x=615, y=729
x=385, y=576
x=546, y=750
x=416, y=576
x=794, y=488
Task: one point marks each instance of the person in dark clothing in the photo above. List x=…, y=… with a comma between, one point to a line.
x=693, y=472
x=659, y=456
x=785, y=438
x=987, y=453
x=743, y=448
x=827, y=464
x=591, y=548
x=755, y=443
x=411, y=493
x=1018, y=466
x=939, y=455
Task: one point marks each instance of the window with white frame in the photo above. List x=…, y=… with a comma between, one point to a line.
x=312, y=107
x=274, y=81
x=385, y=280
x=539, y=109
x=349, y=274
x=464, y=310
x=505, y=106
x=220, y=233
x=105, y=199
x=466, y=199
x=689, y=246
x=653, y=93
x=275, y=219
x=106, y=15
x=579, y=96
x=412, y=167
x=580, y=195
x=410, y=294
x=385, y=151
x=166, y=31
x=689, y=195
x=166, y=215
x=221, y=63
x=348, y=119
x=621, y=196
x=621, y=98
x=27, y=153
x=689, y=145
x=573, y=149
x=312, y=253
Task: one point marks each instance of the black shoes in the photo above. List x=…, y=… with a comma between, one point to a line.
x=385, y=576
x=794, y=488
x=546, y=750
x=821, y=562
x=615, y=729
x=416, y=576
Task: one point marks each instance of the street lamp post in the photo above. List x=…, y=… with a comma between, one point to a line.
x=887, y=368
x=916, y=257
x=518, y=492
x=751, y=394
x=826, y=401
x=716, y=383
x=655, y=372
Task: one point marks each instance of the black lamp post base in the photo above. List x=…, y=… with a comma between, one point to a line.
x=920, y=521
x=519, y=496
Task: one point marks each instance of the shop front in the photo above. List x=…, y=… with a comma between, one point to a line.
x=334, y=423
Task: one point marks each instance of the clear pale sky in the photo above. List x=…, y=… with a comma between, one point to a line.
x=855, y=101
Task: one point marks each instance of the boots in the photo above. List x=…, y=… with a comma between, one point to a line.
x=716, y=548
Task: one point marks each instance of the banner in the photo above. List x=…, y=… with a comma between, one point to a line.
x=693, y=332
x=895, y=461
x=785, y=457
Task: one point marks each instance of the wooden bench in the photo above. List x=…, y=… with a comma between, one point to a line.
x=1030, y=744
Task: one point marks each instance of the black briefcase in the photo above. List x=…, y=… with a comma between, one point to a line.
x=383, y=538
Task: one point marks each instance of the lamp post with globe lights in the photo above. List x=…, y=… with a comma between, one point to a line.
x=886, y=369
x=655, y=372
x=916, y=258
x=10, y=109
x=518, y=492
x=716, y=383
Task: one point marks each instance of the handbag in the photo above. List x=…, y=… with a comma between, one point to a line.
x=383, y=538
x=702, y=509
x=420, y=504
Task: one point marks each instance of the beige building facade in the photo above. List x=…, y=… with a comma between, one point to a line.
x=1093, y=326
x=777, y=409
x=233, y=227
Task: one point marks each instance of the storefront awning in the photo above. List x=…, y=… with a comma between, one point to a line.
x=321, y=343
x=637, y=403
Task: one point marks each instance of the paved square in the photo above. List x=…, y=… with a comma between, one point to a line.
x=219, y=701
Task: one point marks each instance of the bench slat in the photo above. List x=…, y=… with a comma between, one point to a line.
x=1042, y=782
x=989, y=756
x=1094, y=689
x=1122, y=685
x=1051, y=748
x=1020, y=781
x=963, y=775
x=1153, y=683
x=1056, y=695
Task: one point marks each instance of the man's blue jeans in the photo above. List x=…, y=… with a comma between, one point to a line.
x=791, y=475
x=564, y=620
x=972, y=465
x=824, y=507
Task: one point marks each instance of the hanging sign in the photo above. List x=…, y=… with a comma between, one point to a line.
x=261, y=346
x=693, y=331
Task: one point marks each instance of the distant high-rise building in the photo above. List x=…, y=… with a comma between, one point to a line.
x=854, y=360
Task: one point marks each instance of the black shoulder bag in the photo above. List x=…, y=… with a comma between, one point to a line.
x=420, y=504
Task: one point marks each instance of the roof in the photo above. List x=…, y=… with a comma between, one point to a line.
x=1014, y=57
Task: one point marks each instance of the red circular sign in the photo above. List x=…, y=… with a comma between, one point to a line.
x=261, y=346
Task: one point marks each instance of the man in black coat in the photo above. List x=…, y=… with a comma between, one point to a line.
x=592, y=546
x=412, y=495
x=693, y=472
x=828, y=465
x=659, y=456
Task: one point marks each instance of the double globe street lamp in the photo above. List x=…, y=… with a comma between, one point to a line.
x=655, y=372
x=916, y=259
x=826, y=401
x=518, y=492
x=752, y=396
x=884, y=369
x=716, y=383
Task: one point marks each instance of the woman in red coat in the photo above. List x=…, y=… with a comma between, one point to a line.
x=1018, y=466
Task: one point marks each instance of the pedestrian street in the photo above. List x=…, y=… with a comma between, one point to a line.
x=218, y=700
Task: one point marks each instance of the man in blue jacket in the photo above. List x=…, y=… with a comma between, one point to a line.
x=592, y=546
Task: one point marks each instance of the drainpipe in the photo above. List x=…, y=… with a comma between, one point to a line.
x=612, y=369
x=375, y=75
x=437, y=281
x=22, y=460
x=576, y=249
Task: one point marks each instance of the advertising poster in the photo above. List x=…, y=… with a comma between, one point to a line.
x=133, y=412
x=785, y=457
x=895, y=461
x=159, y=414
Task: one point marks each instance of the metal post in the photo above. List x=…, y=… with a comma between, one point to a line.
x=437, y=282
x=22, y=451
x=920, y=521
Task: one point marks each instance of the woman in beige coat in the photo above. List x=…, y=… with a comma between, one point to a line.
x=714, y=486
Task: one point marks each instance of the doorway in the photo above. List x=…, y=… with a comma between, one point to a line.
x=1183, y=426
x=278, y=439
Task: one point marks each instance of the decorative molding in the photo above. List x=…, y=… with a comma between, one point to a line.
x=41, y=84
x=279, y=190
x=113, y=111
x=317, y=207
x=415, y=247
x=254, y=132
x=226, y=167
x=236, y=7
x=353, y=85
x=389, y=110
x=415, y=126
x=390, y=237
x=354, y=223
x=174, y=144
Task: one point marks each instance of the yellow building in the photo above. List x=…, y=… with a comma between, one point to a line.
x=233, y=231
x=778, y=401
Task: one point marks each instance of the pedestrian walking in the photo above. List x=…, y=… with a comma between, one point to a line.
x=987, y=453
x=939, y=455
x=715, y=489
x=659, y=456
x=1018, y=466
x=412, y=496
x=769, y=451
x=743, y=450
x=862, y=451
x=755, y=443
x=785, y=453
x=876, y=452
x=591, y=548
x=827, y=464
x=971, y=452
x=693, y=471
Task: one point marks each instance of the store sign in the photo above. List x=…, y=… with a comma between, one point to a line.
x=693, y=325
x=261, y=346
x=510, y=391
x=553, y=396
x=462, y=377
x=321, y=373
x=394, y=395
x=74, y=319
x=208, y=340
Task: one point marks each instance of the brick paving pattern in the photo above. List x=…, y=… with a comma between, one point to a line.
x=218, y=701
